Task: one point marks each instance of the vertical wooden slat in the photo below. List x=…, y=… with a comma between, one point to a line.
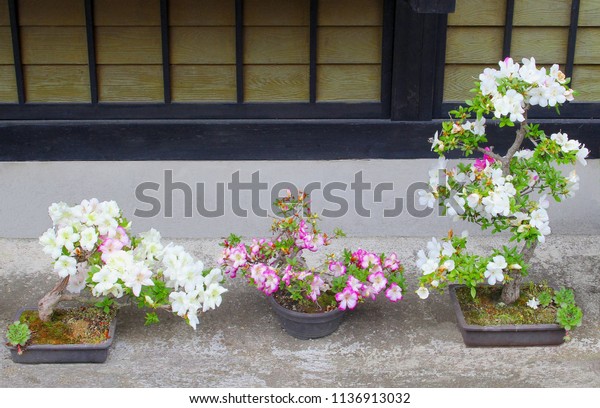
x=91, y=47
x=166, y=65
x=440, y=58
x=314, y=7
x=239, y=49
x=387, y=50
x=572, y=41
x=508, y=27
x=16, y=43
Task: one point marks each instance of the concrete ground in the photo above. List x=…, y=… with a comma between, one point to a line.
x=413, y=343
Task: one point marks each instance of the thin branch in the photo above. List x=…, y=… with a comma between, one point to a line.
x=490, y=153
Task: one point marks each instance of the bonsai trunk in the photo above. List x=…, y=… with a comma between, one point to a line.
x=51, y=299
x=512, y=290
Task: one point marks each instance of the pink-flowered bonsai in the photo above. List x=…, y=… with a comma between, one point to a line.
x=277, y=267
x=497, y=190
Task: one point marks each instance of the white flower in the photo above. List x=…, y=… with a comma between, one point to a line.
x=421, y=258
x=192, y=317
x=510, y=105
x=455, y=205
x=60, y=213
x=426, y=198
x=65, y=266
x=436, y=141
x=530, y=73
x=488, y=81
x=571, y=146
x=496, y=204
x=449, y=265
x=67, y=237
x=77, y=281
x=447, y=249
x=106, y=280
x=524, y=154
x=533, y=303
x=508, y=68
x=560, y=138
x=582, y=154
x=179, y=303
x=430, y=266
x=88, y=238
x=423, y=292
x=212, y=296
x=51, y=245
x=473, y=200
x=479, y=126
x=214, y=276
x=494, y=270
x=539, y=218
x=120, y=262
x=139, y=275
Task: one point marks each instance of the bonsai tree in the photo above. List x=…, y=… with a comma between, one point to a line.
x=502, y=191
x=99, y=261
x=278, y=268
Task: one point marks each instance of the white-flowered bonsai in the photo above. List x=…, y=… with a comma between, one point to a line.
x=278, y=268
x=502, y=192
x=95, y=254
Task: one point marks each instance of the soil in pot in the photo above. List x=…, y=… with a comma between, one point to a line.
x=79, y=335
x=488, y=310
x=83, y=325
x=325, y=303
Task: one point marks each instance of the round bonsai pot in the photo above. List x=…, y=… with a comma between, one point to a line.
x=515, y=335
x=307, y=325
x=63, y=353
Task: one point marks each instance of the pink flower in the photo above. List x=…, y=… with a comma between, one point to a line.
x=121, y=235
x=271, y=282
x=257, y=273
x=369, y=259
x=354, y=284
x=238, y=256
x=392, y=262
x=316, y=286
x=368, y=291
x=108, y=247
x=287, y=275
x=378, y=280
x=347, y=299
x=394, y=293
x=481, y=164
x=337, y=268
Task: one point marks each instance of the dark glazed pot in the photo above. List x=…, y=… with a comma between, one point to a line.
x=63, y=353
x=522, y=335
x=307, y=325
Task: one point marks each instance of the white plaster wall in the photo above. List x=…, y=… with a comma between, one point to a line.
x=28, y=188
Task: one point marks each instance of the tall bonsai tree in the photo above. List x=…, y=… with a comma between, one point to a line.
x=502, y=192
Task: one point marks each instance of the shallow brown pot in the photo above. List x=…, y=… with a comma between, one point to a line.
x=510, y=335
x=63, y=353
x=307, y=325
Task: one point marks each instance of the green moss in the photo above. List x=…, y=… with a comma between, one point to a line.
x=488, y=310
x=84, y=325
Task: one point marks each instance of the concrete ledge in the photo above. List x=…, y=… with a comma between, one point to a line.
x=410, y=344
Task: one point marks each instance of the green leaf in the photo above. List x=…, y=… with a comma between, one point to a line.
x=18, y=334
x=151, y=318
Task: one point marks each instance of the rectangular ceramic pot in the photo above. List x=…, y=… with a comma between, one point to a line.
x=63, y=353
x=513, y=335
